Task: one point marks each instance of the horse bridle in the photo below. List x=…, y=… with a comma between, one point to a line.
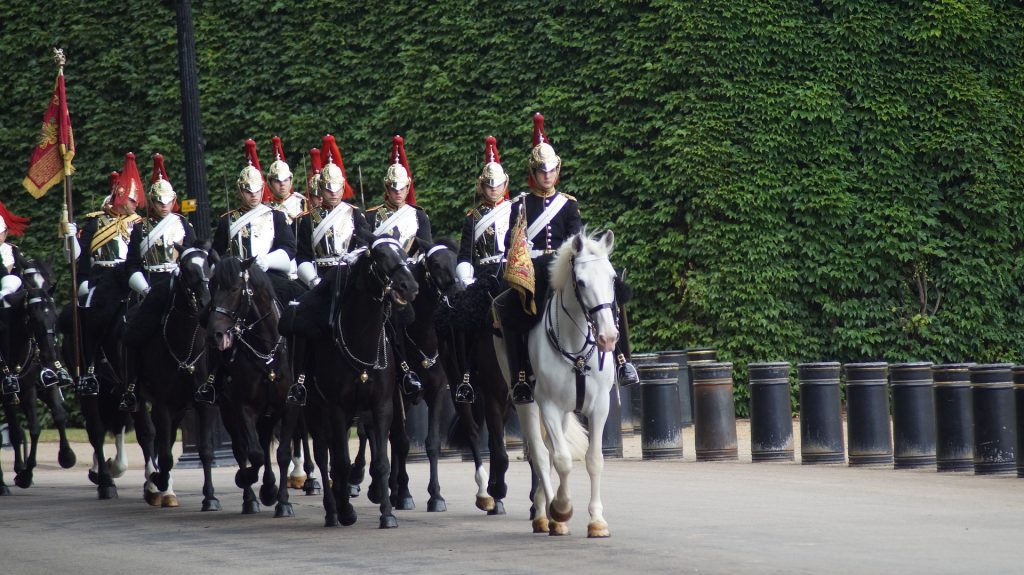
x=189, y=363
x=239, y=326
x=579, y=359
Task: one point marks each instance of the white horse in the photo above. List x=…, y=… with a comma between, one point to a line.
x=572, y=347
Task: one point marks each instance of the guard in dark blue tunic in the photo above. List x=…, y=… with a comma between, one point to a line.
x=481, y=252
x=153, y=252
x=13, y=266
x=400, y=214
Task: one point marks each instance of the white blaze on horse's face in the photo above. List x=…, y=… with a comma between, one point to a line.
x=595, y=282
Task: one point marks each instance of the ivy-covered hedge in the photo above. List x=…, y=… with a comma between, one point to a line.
x=787, y=180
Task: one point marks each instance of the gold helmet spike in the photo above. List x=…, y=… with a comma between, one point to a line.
x=279, y=170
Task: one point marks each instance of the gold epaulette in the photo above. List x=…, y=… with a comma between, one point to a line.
x=470, y=211
x=95, y=214
x=375, y=208
x=568, y=197
x=228, y=213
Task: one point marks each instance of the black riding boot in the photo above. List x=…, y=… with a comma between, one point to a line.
x=464, y=392
x=519, y=367
x=297, y=391
x=10, y=380
x=411, y=386
x=130, y=401
x=626, y=373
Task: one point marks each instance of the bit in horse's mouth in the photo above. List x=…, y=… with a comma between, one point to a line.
x=398, y=298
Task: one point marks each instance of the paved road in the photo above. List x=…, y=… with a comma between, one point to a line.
x=665, y=517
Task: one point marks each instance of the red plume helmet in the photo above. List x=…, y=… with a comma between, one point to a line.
x=397, y=157
x=251, y=175
x=330, y=147
x=542, y=154
x=491, y=156
x=539, y=137
x=15, y=225
x=129, y=185
x=159, y=171
x=160, y=188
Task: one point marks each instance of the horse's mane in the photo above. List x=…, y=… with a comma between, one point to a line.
x=227, y=274
x=45, y=268
x=561, y=266
x=447, y=242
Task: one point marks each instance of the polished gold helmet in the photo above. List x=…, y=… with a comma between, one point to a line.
x=398, y=175
x=250, y=179
x=493, y=174
x=332, y=175
x=279, y=170
x=160, y=189
x=542, y=156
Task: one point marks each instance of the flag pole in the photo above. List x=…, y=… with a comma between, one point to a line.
x=68, y=216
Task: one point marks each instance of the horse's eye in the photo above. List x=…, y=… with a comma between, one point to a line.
x=582, y=284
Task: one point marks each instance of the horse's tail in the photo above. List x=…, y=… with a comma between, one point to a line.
x=576, y=436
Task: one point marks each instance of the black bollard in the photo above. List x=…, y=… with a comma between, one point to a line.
x=913, y=415
x=771, y=412
x=954, y=417
x=1018, y=395
x=868, y=427
x=995, y=421
x=635, y=397
x=661, y=435
x=696, y=355
x=714, y=412
x=678, y=357
x=821, y=422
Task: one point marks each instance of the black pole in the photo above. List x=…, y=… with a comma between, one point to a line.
x=195, y=168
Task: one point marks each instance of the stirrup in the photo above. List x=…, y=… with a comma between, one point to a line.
x=626, y=374
x=297, y=391
x=464, y=392
x=11, y=385
x=48, y=378
x=522, y=391
x=410, y=381
x=129, y=401
x=206, y=393
x=88, y=385
x=63, y=375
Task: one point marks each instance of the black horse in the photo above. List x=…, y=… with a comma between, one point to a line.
x=250, y=358
x=435, y=273
x=105, y=355
x=354, y=374
x=38, y=372
x=173, y=368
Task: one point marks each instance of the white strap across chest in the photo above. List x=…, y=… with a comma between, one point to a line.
x=393, y=221
x=246, y=219
x=485, y=222
x=155, y=234
x=546, y=216
x=329, y=220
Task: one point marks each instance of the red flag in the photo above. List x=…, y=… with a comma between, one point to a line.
x=51, y=158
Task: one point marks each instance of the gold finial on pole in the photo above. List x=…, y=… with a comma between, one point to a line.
x=58, y=57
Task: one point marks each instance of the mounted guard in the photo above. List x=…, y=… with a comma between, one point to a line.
x=13, y=266
x=280, y=195
x=153, y=251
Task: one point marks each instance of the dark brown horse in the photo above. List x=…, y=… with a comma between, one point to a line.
x=250, y=358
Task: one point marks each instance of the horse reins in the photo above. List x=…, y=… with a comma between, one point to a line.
x=189, y=363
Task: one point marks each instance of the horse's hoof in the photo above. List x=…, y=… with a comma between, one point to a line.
x=250, y=507
x=268, y=493
x=559, y=516
x=485, y=503
x=212, y=504
x=403, y=503
x=348, y=516
x=94, y=477
x=388, y=522
x=23, y=479
x=284, y=510
x=533, y=512
x=152, y=497
x=312, y=486
x=598, y=529
x=353, y=491
x=499, y=508
x=4, y=490
x=331, y=520
x=437, y=505
x=116, y=469
x=540, y=525
x=66, y=458
x=296, y=481
x=558, y=528
x=107, y=491
x=170, y=500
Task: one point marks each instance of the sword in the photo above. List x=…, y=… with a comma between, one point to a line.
x=362, y=198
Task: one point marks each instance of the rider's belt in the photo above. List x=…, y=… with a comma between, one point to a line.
x=538, y=253
x=108, y=264
x=492, y=259
x=329, y=262
x=158, y=268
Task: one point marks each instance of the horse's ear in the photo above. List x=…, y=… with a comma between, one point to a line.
x=608, y=239
x=212, y=256
x=577, y=244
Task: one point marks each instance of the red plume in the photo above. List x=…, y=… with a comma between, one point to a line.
x=278, y=148
x=398, y=157
x=129, y=182
x=330, y=147
x=15, y=224
x=112, y=182
x=538, y=130
x=315, y=165
x=159, y=171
